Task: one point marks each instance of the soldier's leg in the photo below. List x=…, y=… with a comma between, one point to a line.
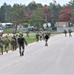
x=70, y=34
x=15, y=46
x=12, y=47
x=6, y=48
x=65, y=34
x=46, y=44
x=22, y=49
x=2, y=50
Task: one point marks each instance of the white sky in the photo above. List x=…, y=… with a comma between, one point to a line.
x=26, y=2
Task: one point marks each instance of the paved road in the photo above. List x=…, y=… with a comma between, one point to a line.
x=57, y=58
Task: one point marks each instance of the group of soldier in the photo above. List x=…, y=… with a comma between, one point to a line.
x=43, y=36
x=18, y=41
x=4, y=43
x=69, y=31
x=15, y=41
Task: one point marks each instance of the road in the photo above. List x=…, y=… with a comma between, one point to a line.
x=57, y=58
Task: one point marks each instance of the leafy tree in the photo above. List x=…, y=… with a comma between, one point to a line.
x=5, y=12
x=37, y=17
x=65, y=14
x=71, y=4
x=17, y=15
x=55, y=8
x=39, y=5
x=47, y=13
x=32, y=5
x=72, y=16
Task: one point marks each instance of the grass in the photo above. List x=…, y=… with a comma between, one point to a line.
x=30, y=39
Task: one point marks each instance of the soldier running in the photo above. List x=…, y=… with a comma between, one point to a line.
x=65, y=32
x=46, y=39
x=70, y=31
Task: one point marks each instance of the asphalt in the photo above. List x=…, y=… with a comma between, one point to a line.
x=56, y=58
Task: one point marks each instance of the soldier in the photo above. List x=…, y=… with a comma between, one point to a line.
x=46, y=39
x=14, y=43
x=6, y=42
x=21, y=45
x=37, y=36
x=70, y=31
x=65, y=33
x=40, y=36
x=27, y=33
x=1, y=45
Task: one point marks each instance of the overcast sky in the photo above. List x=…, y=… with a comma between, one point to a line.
x=26, y=2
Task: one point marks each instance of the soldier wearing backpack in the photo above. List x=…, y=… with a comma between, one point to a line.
x=70, y=31
x=6, y=43
x=1, y=45
x=14, y=43
x=65, y=32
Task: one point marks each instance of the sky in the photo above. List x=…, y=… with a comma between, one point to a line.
x=26, y=2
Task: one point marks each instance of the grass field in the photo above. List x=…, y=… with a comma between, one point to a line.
x=30, y=39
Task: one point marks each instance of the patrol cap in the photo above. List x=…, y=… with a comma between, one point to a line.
x=21, y=34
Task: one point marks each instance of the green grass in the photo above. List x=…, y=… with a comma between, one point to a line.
x=30, y=39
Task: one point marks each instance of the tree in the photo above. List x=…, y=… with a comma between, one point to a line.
x=37, y=17
x=47, y=13
x=65, y=14
x=32, y=5
x=72, y=16
x=18, y=15
x=55, y=8
x=5, y=12
x=71, y=4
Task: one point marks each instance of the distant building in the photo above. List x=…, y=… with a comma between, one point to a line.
x=63, y=25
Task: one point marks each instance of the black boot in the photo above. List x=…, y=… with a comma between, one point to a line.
x=22, y=53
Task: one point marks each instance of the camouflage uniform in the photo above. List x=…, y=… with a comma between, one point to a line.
x=65, y=33
x=37, y=37
x=70, y=31
x=6, y=42
x=14, y=43
x=40, y=36
x=1, y=45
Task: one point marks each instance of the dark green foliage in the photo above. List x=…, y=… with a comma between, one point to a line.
x=32, y=13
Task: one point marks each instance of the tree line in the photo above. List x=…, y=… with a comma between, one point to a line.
x=36, y=14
